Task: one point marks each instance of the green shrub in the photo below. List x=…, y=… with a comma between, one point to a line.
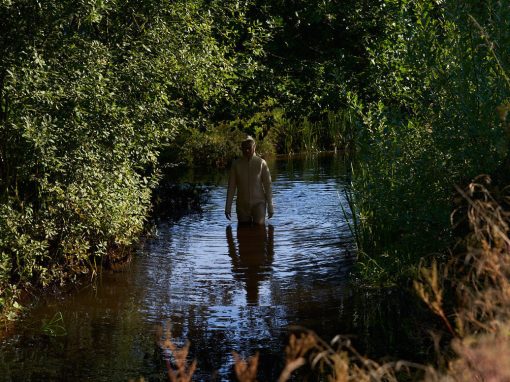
x=215, y=147
x=429, y=123
x=90, y=93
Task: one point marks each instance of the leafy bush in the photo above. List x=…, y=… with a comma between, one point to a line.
x=429, y=123
x=90, y=93
x=217, y=146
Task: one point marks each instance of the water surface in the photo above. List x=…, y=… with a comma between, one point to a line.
x=221, y=286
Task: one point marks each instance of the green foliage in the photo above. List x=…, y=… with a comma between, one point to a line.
x=216, y=147
x=291, y=65
x=429, y=122
x=96, y=96
x=317, y=52
x=334, y=130
x=90, y=93
x=275, y=132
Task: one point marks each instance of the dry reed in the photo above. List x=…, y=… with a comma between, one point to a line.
x=179, y=370
x=479, y=277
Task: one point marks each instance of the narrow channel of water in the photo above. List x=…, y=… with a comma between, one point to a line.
x=222, y=287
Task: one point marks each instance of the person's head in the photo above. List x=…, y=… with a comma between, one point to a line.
x=248, y=147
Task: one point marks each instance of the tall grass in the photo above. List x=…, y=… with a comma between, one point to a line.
x=310, y=132
x=478, y=278
x=336, y=360
x=342, y=127
x=275, y=133
x=334, y=130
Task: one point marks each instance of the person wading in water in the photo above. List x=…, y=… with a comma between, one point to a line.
x=251, y=179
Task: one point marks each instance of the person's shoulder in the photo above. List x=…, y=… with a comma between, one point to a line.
x=263, y=162
x=259, y=159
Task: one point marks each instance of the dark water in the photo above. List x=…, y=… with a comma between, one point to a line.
x=220, y=286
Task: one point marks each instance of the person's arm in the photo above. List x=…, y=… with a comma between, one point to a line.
x=232, y=186
x=266, y=182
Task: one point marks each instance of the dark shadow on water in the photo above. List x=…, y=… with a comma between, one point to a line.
x=252, y=256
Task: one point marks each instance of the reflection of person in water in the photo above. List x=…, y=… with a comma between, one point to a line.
x=251, y=179
x=252, y=259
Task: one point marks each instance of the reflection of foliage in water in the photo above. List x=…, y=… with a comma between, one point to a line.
x=174, y=200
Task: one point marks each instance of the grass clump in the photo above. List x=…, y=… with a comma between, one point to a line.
x=336, y=361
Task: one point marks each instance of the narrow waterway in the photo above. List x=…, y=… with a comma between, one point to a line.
x=222, y=287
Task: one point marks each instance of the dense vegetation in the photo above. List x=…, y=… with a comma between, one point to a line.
x=98, y=96
x=436, y=80
x=90, y=93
